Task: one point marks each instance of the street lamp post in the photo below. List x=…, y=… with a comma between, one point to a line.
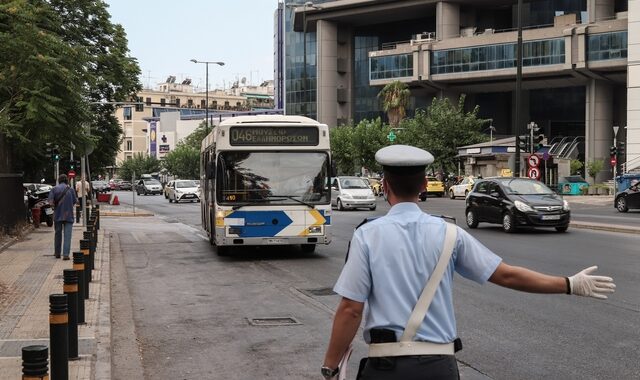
x=206, y=107
x=518, y=89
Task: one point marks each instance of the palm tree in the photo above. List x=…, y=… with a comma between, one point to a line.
x=395, y=99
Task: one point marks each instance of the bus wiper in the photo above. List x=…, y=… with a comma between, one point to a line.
x=292, y=197
x=254, y=201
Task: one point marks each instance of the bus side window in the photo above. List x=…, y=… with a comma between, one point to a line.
x=211, y=169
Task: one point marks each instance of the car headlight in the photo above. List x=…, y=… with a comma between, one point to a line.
x=521, y=206
x=347, y=196
x=565, y=205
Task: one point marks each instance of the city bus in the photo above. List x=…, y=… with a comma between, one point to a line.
x=264, y=181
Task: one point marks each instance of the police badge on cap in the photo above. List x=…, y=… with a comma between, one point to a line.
x=403, y=159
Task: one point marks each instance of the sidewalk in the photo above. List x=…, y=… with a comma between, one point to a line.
x=122, y=210
x=29, y=273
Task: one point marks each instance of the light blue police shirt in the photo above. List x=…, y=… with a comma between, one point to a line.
x=390, y=261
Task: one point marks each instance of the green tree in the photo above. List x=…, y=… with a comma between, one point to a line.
x=441, y=129
x=594, y=167
x=369, y=136
x=395, y=99
x=576, y=167
x=194, y=140
x=139, y=164
x=342, y=151
x=183, y=162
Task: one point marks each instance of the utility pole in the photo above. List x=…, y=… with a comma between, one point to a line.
x=518, y=89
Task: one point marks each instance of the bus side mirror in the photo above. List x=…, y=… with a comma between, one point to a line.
x=211, y=170
x=334, y=171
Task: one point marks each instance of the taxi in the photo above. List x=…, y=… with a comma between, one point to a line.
x=434, y=187
x=376, y=185
x=463, y=188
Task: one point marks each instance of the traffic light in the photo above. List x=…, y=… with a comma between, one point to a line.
x=56, y=154
x=72, y=165
x=613, y=151
x=621, y=148
x=523, y=143
x=537, y=138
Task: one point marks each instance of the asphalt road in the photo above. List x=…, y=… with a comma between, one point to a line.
x=192, y=308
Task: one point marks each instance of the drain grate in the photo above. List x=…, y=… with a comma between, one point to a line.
x=319, y=292
x=273, y=321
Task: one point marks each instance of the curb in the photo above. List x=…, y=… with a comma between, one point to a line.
x=111, y=213
x=103, y=325
x=610, y=228
x=14, y=239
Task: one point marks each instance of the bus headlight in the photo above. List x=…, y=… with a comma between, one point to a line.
x=314, y=229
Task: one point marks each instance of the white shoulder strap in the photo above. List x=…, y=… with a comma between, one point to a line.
x=420, y=310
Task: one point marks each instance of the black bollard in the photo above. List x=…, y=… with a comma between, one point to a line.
x=70, y=287
x=58, y=336
x=35, y=363
x=85, y=248
x=89, y=235
x=97, y=210
x=78, y=265
x=78, y=213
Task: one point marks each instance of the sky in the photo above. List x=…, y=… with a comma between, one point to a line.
x=165, y=35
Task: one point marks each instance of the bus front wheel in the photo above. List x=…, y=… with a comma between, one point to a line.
x=308, y=248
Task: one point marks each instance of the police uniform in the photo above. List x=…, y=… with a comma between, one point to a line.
x=391, y=259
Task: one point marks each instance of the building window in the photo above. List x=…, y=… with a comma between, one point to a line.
x=139, y=107
x=190, y=103
x=391, y=66
x=494, y=57
x=163, y=102
x=238, y=104
x=128, y=157
x=214, y=104
x=128, y=145
x=148, y=101
x=607, y=46
x=203, y=103
x=126, y=113
x=177, y=102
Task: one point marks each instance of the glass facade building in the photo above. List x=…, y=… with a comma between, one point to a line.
x=607, y=46
x=391, y=66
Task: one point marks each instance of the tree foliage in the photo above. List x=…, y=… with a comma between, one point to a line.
x=139, y=164
x=57, y=58
x=183, y=162
x=395, y=99
x=594, y=167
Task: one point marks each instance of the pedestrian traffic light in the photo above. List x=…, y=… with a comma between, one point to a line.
x=56, y=154
x=523, y=143
x=72, y=165
x=613, y=151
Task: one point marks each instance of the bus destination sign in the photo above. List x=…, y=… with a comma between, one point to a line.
x=246, y=135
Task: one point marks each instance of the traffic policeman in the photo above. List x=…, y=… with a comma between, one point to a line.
x=391, y=259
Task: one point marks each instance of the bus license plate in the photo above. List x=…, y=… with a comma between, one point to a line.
x=550, y=217
x=276, y=241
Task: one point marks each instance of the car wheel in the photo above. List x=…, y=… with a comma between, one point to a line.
x=308, y=248
x=170, y=200
x=340, y=206
x=621, y=204
x=472, y=219
x=423, y=197
x=562, y=228
x=508, y=223
x=373, y=208
x=451, y=195
x=466, y=192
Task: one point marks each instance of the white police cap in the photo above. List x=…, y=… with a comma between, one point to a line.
x=403, y=159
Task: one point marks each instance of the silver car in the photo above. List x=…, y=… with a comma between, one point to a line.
x=183, y=190
x=352, y=192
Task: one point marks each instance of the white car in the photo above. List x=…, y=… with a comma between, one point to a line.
x=183, y=190
x=352, y=192
x=463, y=188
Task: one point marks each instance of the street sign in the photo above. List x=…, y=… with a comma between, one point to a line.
x=533, y=173
x=545, y=156
x=533, y=160
x=71, y=174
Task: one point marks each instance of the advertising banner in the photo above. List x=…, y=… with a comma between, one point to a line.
x=152, y=139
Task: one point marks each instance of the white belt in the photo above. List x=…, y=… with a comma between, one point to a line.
x=410, y=348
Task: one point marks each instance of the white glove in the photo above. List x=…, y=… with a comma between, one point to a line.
x=584, y=284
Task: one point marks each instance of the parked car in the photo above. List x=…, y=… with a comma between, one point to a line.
x=125, y=185
x=515, y=202
x=628, y=199
x=434, y=187
x=352, y=192
x=166, y=188
x=183, y=190
x=100, y=186
x=463, y=188
x=148, y=186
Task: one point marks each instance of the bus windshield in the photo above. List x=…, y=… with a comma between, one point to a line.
x=272, y=177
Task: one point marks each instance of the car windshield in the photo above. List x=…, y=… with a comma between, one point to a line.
x=525, y=187
x=272, y=177
x=353, y=183
x=185, y=184
x=153, y=182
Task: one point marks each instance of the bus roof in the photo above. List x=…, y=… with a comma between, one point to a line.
x=269, y=119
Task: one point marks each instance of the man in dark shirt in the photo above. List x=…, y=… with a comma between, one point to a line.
x=63, y=198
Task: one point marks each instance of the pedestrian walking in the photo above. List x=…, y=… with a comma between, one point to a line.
x=63, y=198
x=82, y=192
x=392, y=258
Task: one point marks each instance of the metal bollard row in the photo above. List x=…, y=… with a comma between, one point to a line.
x=59, y=336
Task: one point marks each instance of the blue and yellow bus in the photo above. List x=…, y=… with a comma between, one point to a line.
x=264, y=181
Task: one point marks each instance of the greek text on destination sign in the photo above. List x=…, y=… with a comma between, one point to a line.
x=243, y=135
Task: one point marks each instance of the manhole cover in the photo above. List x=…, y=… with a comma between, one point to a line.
x=319, y=292
x=274, y=321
